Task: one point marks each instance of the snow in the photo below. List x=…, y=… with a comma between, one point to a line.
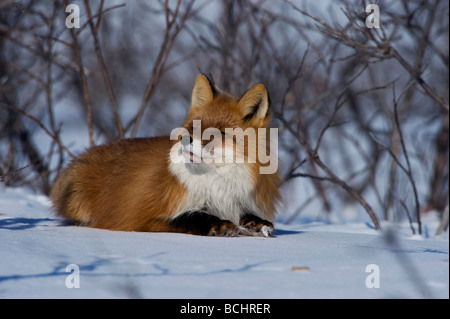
x=313, y=260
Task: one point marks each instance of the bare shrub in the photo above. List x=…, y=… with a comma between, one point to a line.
x=362, y=112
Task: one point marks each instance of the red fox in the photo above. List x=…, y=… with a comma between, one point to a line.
x=167, y=184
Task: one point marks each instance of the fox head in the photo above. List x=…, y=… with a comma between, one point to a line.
x=251, y=110
x=220, y=129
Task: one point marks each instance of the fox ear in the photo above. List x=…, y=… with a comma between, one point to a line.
x=203, y=92
x=255, y=104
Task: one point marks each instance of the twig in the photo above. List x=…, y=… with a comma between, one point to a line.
x=104, y=70
x=84, y=85
x=42, y=126
x=408, y=172
x=443, y=225
x=160, y=62
x=314, y=156
x=98, y=14
x=3, y=176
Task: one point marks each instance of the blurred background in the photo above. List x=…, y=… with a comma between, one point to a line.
x=362, y=112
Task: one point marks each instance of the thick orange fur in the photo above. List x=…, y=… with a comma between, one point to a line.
x=121, y=186
x=130, y=184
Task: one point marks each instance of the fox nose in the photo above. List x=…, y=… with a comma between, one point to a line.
x=186, y=140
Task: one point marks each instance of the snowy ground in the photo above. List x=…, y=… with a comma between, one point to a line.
x=312, y=260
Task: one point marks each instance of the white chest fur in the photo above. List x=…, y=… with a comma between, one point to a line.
x=225, y=191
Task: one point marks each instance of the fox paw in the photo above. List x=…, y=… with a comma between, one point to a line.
x=266, y=231
x=257, y=226
x=224, y=229
x=228, y=229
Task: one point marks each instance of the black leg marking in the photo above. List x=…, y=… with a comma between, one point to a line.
x=201, y=223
